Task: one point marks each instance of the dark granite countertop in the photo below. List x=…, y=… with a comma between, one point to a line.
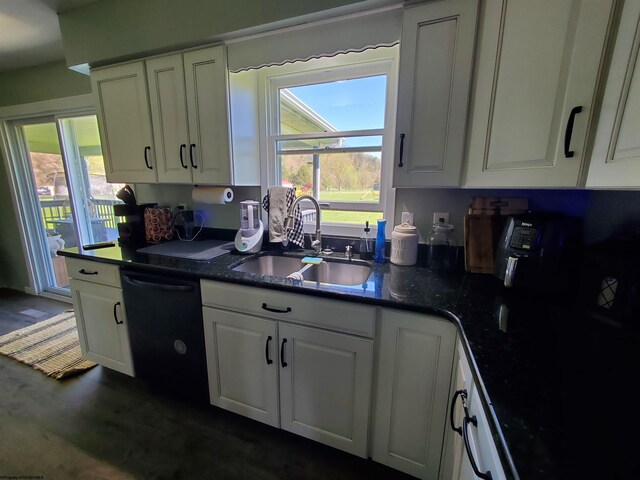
x=518, y=382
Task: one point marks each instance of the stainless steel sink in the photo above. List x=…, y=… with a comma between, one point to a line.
x=271, y=265
x=338, y=273
x=331, y=272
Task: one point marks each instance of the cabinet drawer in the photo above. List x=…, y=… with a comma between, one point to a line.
x=330, y=314
x=95, y=272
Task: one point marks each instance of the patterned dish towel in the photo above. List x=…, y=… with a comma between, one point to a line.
x=277, y=233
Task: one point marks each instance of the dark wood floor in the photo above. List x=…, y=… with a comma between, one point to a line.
x=12, y=302
x=105, y=425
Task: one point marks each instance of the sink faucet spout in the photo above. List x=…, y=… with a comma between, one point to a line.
x=288, y=224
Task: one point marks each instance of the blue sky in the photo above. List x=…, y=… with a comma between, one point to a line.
x=355, y=104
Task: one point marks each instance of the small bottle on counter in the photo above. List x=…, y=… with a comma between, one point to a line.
x=366, y=244
x=380, y=241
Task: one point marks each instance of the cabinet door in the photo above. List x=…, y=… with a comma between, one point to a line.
x=206, y=81
x=435, y=72
x=102, y=325
x=325, y=386
x=537, y=63
x=242, y=364
x=125, y=124
x=168, y=101
x=615, y=161
x=414, y=375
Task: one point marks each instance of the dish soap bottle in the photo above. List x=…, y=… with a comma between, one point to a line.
x=366, y=244
x=380, y=241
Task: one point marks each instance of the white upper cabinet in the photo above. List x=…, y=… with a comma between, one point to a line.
x=205, y=74
x=615, y=161
x=183, y=100
x=436, y=56
x=536, y=73
x=189, y=108
x=169, y=115
x=125, y=125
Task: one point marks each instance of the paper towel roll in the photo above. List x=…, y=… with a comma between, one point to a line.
x=212, y=195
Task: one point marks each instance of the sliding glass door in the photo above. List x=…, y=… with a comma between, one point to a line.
x=64, y=182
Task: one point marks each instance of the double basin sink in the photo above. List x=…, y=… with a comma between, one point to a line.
x=335, y=272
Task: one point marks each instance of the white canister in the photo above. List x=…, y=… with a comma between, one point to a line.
x=404, y=244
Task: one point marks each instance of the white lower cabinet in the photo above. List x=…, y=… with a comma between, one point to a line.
x=325, y=386
x=481, y=449
x=306, y=365
x=243, y=375
x=310, y=381
x=414, y=374
x=102, y=325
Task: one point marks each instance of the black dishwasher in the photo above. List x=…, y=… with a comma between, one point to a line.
x=164, y=316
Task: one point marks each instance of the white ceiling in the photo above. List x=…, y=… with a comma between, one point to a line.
x=29, y=31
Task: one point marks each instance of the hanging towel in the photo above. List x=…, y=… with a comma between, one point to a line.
x=277, y=203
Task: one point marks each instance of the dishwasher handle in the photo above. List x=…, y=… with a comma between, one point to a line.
x=158, y=286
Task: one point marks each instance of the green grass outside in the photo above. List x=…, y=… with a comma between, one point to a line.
x=341, y=216
x=368, y=196
x=358, y=218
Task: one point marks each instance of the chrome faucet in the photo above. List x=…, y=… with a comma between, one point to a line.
x=288, y=223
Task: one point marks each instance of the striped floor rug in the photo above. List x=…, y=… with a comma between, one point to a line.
x=50, y=346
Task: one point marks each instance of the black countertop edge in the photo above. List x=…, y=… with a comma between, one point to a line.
x=252, y=280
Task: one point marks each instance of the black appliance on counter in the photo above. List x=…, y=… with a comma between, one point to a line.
x=164, y=316
x=130, y=215
x=131, y=228
x=538, y=251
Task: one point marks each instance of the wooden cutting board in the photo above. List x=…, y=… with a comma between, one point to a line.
x=478, y=243
x=483, y=227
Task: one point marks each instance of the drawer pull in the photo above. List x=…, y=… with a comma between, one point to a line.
x=86, y=272
x=275, y=310
x=465, y=436
x=115, y=314
x=400, y=164
x=463, y=396
x=266, y=350
x=282, y=362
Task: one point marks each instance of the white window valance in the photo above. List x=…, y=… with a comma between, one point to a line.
x=353, y=33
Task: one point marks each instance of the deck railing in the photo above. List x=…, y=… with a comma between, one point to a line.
x=53, y=210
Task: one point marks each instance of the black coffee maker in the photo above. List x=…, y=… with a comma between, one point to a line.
x=130, y=218
x=539, y=251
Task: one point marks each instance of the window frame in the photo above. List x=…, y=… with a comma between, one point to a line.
x=345, y=66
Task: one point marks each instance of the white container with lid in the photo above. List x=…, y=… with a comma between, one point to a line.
x=404, y=244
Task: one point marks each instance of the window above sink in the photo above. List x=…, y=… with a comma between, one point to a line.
x=326, y=128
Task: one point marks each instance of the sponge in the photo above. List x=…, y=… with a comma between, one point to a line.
x=312, y=260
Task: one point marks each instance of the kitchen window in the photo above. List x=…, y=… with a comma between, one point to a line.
x=328, y=125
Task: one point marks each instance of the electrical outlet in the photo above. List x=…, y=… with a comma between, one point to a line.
x=440, y=218
x=407, y=217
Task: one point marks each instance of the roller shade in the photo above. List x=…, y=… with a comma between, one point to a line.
x=320, y=39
